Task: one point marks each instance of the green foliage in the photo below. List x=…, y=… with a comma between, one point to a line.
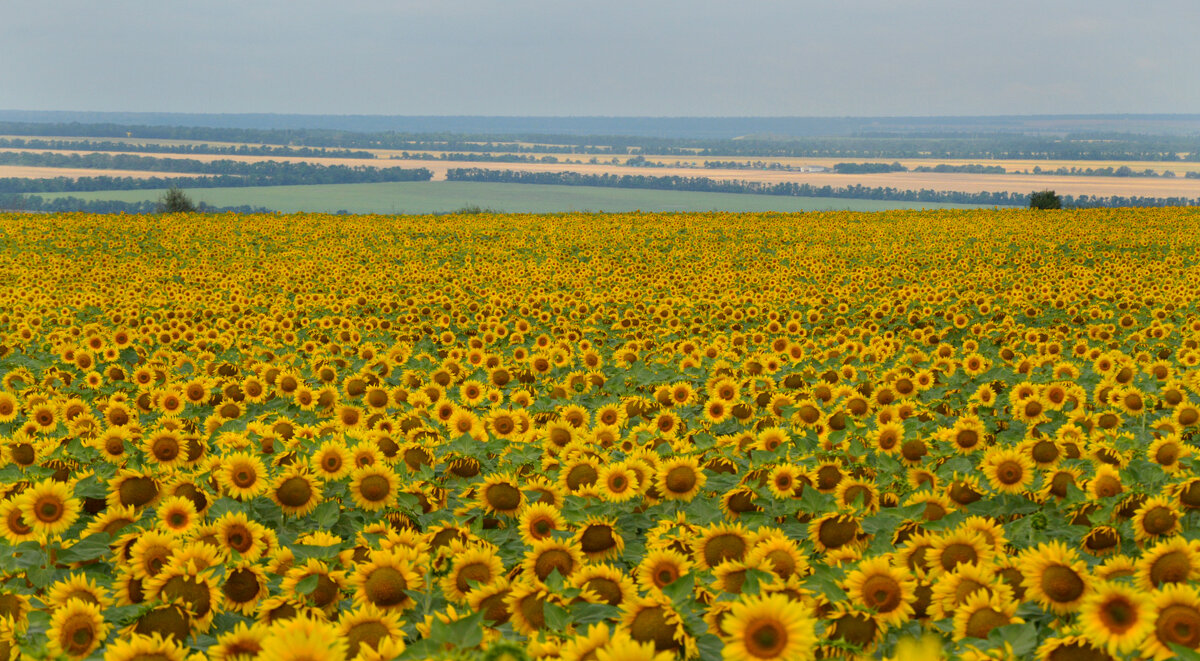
x=175, y=201
x=1045, y=199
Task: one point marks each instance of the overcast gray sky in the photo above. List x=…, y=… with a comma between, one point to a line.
x=610, y=57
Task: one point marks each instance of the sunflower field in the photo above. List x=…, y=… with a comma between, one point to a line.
x=910, y=435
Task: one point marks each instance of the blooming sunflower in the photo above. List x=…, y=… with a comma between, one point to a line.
x=48, y=508
x=661, y=567
x=141, y=647
x=385, y=579
x=1174, y=560
x=1055, y=577
x=618, y=483
x=242, y=475
x=477, y=564
x=652, y=619
x=680, y=478
x=1155, y=519
x=1008, y=470
x=768, y=627
x=296, y=492
x=1116, y=617
x=885, y=589
x=77, y=628
x=982, y=612
x=368, y=627
x=303, y=639
x=374, y=487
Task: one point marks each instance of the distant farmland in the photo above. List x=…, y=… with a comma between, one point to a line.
x=433, y=197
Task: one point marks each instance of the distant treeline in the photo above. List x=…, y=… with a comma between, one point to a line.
x=225, y=173
x=946, y=145
x=480, y=156
x=37, y=204
x=868, y=168
x=705, y=184
x=239, y=150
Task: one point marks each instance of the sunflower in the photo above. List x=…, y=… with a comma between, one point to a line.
x=886, y=590
x=242, y=641
x=13, y=528
x=1167, y=452
x=1174, y=560
x=951, y=589
x=10, y=406
x=242, y=475
x=491, y=600
x=833, y=531
x=76, y=629
x=1155, y=519
x=385, y=580
x=500, y=493
x=603, y=583
x=680, y=478
x=780, y=556
x=296, y=492
x=79, y=587
x=659, y=568
x=546, y=556
x=245, y=584
x=235, y=531
x=954, y=548
x=652, y=619
x=1055, y=577
x=196, y=593
x=327, y=591
x=598, y=538
x=1008, y=470
x=332, y=460
x=618, y=482
x=526, y=603
x=888, y=437
x=140, y=647
x=768, y=627
x=857, y=495
x=374, y=487
x=1105, y=483
x=368, y=627
x=302, y=639
x=967, y=434
x=151, y=551
x=538, y=521
x=1176, y=621
x=48, y=508
x=477, y=564
x=177, y=515
x=1116, y=617
x=981, y=612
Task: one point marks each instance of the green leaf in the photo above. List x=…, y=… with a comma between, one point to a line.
x=91, y=547
x=1022, y=637
x=326, y=514
x=680, y=590
x=588, y=613
x=556, y=617
x=308, y=584
x=468, y=632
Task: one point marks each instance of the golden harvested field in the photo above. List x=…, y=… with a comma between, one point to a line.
x=639, y=436
x=971, y=183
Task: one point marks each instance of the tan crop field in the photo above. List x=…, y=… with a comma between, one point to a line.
x=969, y=183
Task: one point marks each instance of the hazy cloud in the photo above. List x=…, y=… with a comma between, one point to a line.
x=617, y=57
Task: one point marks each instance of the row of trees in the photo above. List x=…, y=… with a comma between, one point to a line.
x=172, y=202
x=946, y=144
x=234, y=150
x=1001, y=198
x=225, y=173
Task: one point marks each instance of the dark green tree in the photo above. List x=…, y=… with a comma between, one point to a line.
x=175, y=201
x=1045, y=199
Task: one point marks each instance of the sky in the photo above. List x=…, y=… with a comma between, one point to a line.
x=608, y=57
